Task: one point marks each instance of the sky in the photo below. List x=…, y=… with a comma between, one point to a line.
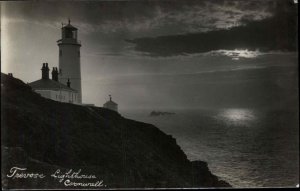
x=163, y=54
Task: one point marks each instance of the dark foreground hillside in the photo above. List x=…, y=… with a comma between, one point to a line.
x=43, y=136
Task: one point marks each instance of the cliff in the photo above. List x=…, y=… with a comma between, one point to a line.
x=43, y=135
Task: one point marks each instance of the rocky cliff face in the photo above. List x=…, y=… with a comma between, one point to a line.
x=42, y=136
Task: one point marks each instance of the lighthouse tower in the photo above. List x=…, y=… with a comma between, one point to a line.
x=69, y=58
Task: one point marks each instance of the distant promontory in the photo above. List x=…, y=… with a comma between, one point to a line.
x=160, y=113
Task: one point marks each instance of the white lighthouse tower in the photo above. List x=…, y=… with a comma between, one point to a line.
x=69, y=58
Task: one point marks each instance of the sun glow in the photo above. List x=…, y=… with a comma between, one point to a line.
x=238, y=53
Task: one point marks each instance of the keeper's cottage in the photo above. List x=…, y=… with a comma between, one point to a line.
x=52, y=89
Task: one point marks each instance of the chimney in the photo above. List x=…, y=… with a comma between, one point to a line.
x=109, y=97
x=45, y=71
x=69, y=83
x=55, y=74
x=10, y=74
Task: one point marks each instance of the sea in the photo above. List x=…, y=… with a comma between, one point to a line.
x=243, y=146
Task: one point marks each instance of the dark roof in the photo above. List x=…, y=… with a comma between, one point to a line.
x=49, y=84
x=110, y=103
x=70, y=26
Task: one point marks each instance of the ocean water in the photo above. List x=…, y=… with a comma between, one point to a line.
x=245, y=147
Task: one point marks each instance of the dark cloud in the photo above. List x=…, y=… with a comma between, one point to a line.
x=143, y=18
x=275, y=33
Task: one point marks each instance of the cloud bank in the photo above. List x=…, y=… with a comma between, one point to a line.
x=278, y=32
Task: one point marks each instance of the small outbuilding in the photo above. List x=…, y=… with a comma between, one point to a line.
x=111, y=105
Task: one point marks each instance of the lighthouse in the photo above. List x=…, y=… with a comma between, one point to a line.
x=69, y=58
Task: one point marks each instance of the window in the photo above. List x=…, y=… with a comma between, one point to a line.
x=78, y=53
x=60, y=52
x=74, y=34
x=68, y=33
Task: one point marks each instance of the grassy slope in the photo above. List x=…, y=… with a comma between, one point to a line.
x=39, y=133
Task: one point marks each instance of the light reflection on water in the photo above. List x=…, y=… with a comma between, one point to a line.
x=236, y=116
